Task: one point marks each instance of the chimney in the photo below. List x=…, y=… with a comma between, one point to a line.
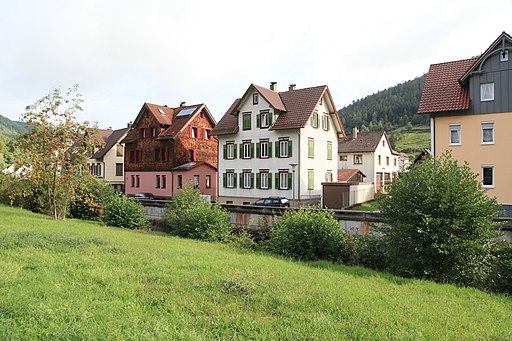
x=182, y=104
x=355, y=131
x=273, y=86
x=291, y=87
x=109, y=128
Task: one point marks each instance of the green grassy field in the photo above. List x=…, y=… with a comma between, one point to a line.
x=412, y=141
x=78, y=280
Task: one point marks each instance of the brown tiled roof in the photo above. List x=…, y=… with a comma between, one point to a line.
x=178, y=122
x=442, y=90
x=345, y=175
x=192, y=164
x=165, y=118
x=299, y=104
x=272, y=97
x=113, y=138
x=228, y=124
x=365, y=142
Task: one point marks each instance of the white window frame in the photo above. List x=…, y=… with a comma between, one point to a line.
x=328, y=175
x=487, y=92
x=194, y=132
x=246, y=180
x=315, y=120
x=264, y=121
x=492, y=168
x=230, y=180
x=488, y=126
x=264, y=180
x=246, y=147
x=359, y=158
x=283, y=180
x=283, y=148
x=325, y=122
x=262, y=149
x=230, y=151
x=454, y=128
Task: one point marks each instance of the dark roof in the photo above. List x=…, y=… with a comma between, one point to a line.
x=442, y=90
x=178, y=122
x=112, y=139
x=346, y=174
x=190, y=165
x=229, y=122
x=365, y=142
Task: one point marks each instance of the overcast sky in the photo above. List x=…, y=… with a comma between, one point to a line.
x=125, y=53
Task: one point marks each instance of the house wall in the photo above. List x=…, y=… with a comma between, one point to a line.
x=477, y=154
x=368, y=166
x=111, y=159
x=202, y=171
x=384, y=151
x=147, y=183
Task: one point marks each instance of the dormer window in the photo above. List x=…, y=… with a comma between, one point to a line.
x=255, y=98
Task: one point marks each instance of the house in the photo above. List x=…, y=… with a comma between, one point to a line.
x=107, y=163
x=278, y=144
x=470, y=104
x=372, y=154
x=168, y=147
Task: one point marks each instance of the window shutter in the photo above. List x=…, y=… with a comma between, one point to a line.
x=258, y=120
x=311, y=120
x=269, y=149
x=241, y=175
x=234, y=151
x=241, y=150
x=258, y=180
x=252, y=150
x=328, y=123
x=323, y=123
x=269, y=119
x=269, y=180
x=258, y=150
x=194, y=155
x=234, y=180
x=290, y=180
x=326, y=177
x=224, y=151
x=277, y=148
x=289, y=148
x=277, y=181
x=224, y=180
x=252, y=180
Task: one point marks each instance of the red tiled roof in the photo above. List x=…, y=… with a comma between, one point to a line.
x=178, y=122
x=345, y=175
x=442, y=90
x=165, y=118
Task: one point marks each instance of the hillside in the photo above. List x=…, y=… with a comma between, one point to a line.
x=78, y=280
x=10, y=129
x=388, y=109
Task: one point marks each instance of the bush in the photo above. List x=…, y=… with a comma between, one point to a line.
x=370, y=252
x=309, y=234
x=500, y=279
x=439, y=223
x=190, y=216
x=123, y=212
x=91, y=197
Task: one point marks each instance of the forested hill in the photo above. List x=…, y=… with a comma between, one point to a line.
x=10, y=129
x=387, y=109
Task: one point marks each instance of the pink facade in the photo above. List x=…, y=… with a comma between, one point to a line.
x=201, y=175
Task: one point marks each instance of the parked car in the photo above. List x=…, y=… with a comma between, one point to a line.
x=273, y=201
x=143, y=196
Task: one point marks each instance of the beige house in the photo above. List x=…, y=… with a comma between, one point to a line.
x=107, y=163
x=470, y=106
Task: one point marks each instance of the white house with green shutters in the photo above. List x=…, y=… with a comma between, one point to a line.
x=278, y=144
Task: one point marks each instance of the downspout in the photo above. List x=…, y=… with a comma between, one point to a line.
x=432, y=136
x=298, y=172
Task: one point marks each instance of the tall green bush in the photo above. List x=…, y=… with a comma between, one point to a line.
x=123, y=212
x=500, y=279
x=309, y=234
x=91, y=197
x=190, y=216
x=439, y=223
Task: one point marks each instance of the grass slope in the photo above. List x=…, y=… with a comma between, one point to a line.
x=77, y=280
x=411, y=141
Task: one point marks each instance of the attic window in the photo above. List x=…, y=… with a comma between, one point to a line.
x=255, y=98
x=161, y=111
x=486, y=92
x=504, y=56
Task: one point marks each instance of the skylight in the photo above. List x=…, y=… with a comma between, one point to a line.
x=161, y=111
x=186, y=112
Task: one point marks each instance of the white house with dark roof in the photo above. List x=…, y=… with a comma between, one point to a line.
x=372, y=154
x=278, y=144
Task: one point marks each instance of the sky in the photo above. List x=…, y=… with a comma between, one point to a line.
x=125, y=53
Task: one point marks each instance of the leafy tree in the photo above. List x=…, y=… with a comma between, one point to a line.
x=91, y=197
x=190, y=216
x=56, y=148
x=439, y=223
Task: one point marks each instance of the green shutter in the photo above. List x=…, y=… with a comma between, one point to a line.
x=258, y=120
x=269, y=149
x=269, y=119
x=323, y=122
x=241, y=150
x=269, y=180
x=329, y=151
x=234, y=151
x=258, y=150
x=277, y=181
x=326, y=177
x=252, y=180
x=258, y=180
x=328, y=123
x=290, y=148
x=277, y=149
x=252, y=150
x=234, y=180
x=241, y=175
x=224, y=151
x=224, y=180
x=290, y=180
x=311, y=120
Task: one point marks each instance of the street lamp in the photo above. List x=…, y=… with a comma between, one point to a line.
x=293, y=165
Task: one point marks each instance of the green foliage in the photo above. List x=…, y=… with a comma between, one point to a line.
x=91, y=196
x=500, y=279
x=369, y=251
x=440, y=223
x=123, y=212
x=10, y=129
x=309, y=234
x=388, y=109
x=14, y=190
x=190, y=216
x=410, y=141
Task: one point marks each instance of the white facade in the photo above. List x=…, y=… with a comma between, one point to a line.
x=295, y=169
x=110, y=167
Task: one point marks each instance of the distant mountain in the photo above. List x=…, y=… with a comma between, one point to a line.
x=10, y=129
x=388, y=109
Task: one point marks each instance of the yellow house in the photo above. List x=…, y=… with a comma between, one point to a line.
x=470, y=106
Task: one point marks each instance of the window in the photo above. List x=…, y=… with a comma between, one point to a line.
x=137, y=181
x=264, y=177
x=504, y=56
x=208, y=183
x=314, y=120
x=379, y=160
x=264, y=149
x=394, y=161
x=164, y=181
x=455, y=134
x=487, y=132
x=488, y=176
x=264, y=119
x=157, y=181
x=358, y=159
x=284, y=146
x=283, y=179
x=193, y=133
x=311, y=148
x=157, y=154
x=153, y=132
x=230, y=151
x=255, y=98
x=133, y=180
x=325, y=122
x=246, y=121
x=247, y=150
x=119, y=150
x=142, y=133
x=230, y=179
x=329, y=150
x=311, y=179
x=343, y=158
x=328, y=176
x=247, y=179
x=208, y=134
x=196, y=181
x=387, y=160
x=191, y=155
x=119, y=169
x=180, y=181
x=486, y=92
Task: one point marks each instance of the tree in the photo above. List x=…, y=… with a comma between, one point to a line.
x=439, y=223
x=56, y=147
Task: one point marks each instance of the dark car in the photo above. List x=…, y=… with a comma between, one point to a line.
x=273, y=201
x=143, y=196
